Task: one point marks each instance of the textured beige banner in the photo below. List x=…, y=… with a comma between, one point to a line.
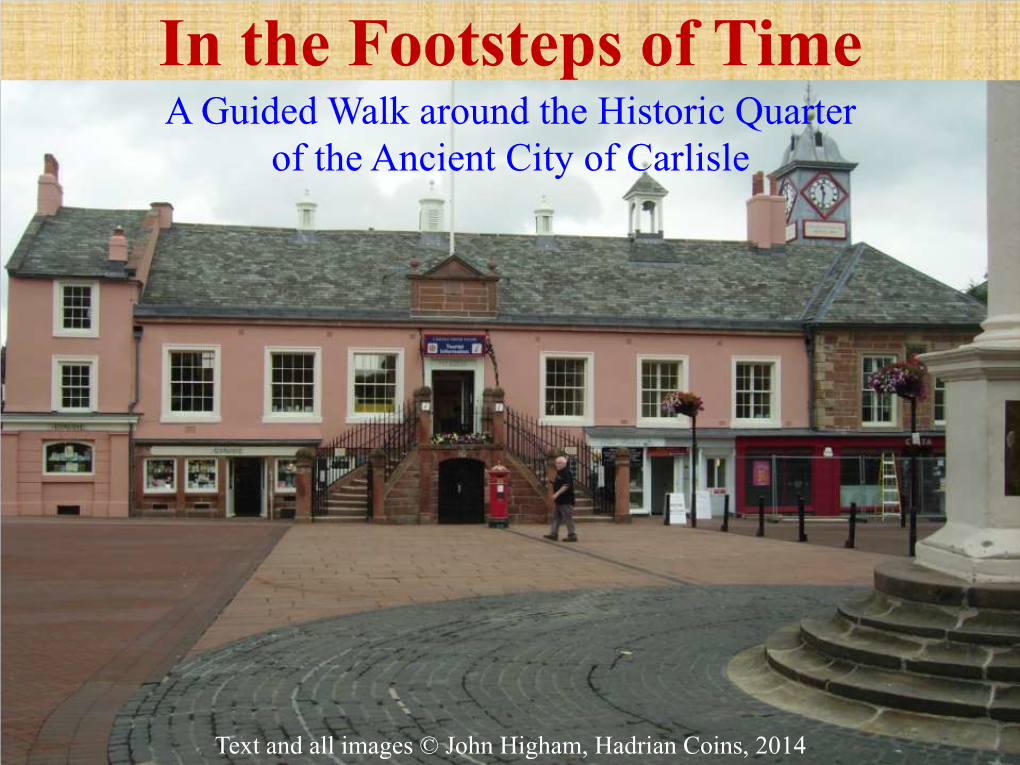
x=127, y=41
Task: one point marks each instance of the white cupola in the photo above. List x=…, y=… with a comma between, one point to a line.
x=544, y=218
x=430, y=210
x=306, y=213
x=644, y=207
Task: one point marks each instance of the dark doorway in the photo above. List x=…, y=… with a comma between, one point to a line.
x=454, y=397
x=247, y=487
x=461, y=491
x=662, y=482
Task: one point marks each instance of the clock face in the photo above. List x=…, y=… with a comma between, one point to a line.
x=789, y=191
x=824, y=194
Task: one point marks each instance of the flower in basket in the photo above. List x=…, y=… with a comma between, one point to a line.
x=461, y=439
x=682, y=402
x=904, y=378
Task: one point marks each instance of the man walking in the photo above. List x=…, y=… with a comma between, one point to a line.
x=563, y=499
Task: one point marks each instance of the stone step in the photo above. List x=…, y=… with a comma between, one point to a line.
x=592, y=518
x=788, y=653
x=342, y=518
x=905, y=580
x=987, y=627
x=842, y=639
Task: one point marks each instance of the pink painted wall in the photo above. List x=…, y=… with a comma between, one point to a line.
x=31, y=346
x=518, y=352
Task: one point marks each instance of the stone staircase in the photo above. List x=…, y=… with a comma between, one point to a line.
x=920, y=642
x=348, y=500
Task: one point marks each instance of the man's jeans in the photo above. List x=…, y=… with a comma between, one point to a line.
x=563, y=514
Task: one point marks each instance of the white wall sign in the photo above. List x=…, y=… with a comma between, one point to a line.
x=677, y=509
x=705, y=505
x=818, y=229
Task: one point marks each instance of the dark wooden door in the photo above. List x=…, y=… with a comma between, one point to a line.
x=462, y=491
x=247, y=487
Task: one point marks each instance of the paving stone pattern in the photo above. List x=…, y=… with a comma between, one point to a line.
x=572, y=666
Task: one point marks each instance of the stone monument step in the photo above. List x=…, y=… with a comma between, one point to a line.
x=968, y=625
x=905, y=580
x=842, y=639
x=788, y=653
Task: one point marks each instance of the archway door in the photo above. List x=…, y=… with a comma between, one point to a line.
x=461, y=491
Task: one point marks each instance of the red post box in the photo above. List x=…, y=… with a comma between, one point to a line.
x=499, y=491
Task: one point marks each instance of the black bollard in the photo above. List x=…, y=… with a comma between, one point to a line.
x=761, y=517
x=801, y=536
x=726, y=513
x=852, y=539
x=913, y=530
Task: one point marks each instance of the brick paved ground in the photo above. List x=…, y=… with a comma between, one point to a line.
x=329, y=569
x=91, y=609
x=642, y=665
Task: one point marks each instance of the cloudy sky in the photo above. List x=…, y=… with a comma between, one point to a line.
x=917, y=194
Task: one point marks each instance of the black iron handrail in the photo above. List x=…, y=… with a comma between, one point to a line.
x=393, y=432
x=531, y=442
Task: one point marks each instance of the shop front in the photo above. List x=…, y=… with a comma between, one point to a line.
x=832, y=472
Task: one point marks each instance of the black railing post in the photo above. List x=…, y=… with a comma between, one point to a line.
x=801, y=535
x=852, y=538
x=761, y=516
x=726, y=513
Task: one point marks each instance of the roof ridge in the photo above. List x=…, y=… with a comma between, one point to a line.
x=854, y=258
x=816, y=293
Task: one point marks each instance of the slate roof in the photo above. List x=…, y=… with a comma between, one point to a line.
x=73, y=243
x=804, y=148
x=209, y=271
x=646, y=184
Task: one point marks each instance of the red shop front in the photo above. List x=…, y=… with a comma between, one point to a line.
x=832, y=471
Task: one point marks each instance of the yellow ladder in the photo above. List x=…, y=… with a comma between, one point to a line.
x=890, y=486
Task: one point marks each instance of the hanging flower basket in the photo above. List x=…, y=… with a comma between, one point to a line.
x=904, y=378
x=682, y=402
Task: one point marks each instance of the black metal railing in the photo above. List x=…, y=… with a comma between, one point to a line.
x=530, y=442
x=393, y=432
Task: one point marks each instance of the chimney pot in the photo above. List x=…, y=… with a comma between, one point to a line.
x=758, y=183
x=766, y=214
x=118, y=246
x=50, y=197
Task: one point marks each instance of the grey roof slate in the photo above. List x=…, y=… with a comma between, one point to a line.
x=646, y=184
x=73, y=243
x=804, y=148
x=204, y=270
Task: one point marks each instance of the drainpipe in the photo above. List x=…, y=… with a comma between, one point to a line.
x=809, y=347
x=137, y=334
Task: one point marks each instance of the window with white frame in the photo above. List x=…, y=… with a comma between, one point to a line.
x=160, y=476
x=375, y=381
x=566, y=387
x=876, y=408
x=292, y=390
x=191, y=382
x=940, y=401
x=75, y=383
x=658, y=377
x=201, y=475
x=67, y=457
x=755, y=389
x=286, y=476
x=76, y=309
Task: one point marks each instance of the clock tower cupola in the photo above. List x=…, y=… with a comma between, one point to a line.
x=814, y=178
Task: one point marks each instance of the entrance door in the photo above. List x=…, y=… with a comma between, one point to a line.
x=247, y=486
x=453, y=395
x=662, y=482
x=461, y=491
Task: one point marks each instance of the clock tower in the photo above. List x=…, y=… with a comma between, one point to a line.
x=815, y=180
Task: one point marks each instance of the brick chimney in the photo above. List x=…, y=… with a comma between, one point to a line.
x=165, y=213
x=766, y=214
x=118, y=246
x=51, y=194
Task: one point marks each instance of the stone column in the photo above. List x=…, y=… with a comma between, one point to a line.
x=621, y=513
x=378, y=460
x=303, y=486
x=423, y=411
x=981, y=539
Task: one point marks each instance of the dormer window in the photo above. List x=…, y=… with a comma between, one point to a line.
x=75, y=309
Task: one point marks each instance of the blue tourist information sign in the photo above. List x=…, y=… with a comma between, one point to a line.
x=454, y=345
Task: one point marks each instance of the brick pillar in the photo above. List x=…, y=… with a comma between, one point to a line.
x=621, y=513
x=303, y=486
x=378, y=458
x=423, y=411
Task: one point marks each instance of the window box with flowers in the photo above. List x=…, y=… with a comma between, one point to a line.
x=461, y=439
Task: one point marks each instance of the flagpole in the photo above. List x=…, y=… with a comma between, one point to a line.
x=453, y=176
